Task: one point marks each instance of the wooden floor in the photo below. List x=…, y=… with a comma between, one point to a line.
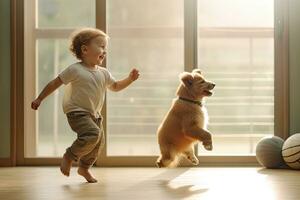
x=38, y=183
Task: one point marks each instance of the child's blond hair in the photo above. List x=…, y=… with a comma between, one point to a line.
x=82, y=37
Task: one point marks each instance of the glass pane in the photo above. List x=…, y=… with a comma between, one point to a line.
x=236, y=13
x=152, y=40
x=236, y=51
x=54, y=133
x=66, y=13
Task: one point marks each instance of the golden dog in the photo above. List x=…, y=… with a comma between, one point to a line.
x=186, y=121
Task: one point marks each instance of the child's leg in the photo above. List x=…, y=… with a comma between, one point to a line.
x=86, y=162
x=89, y=159
x=88, y=134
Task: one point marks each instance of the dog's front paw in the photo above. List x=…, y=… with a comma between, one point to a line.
x=208, y=146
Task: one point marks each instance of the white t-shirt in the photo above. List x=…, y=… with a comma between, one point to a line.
x=85, y=88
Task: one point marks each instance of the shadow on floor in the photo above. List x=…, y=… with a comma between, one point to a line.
x=164, y=186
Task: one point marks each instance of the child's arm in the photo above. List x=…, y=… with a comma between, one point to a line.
x=48, y=89
x=120, y=85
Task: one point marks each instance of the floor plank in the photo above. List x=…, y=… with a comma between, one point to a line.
x=37, y=183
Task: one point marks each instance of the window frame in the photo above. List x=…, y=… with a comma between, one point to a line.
x=23, y=119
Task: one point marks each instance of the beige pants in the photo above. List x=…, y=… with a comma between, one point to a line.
x=90, y=138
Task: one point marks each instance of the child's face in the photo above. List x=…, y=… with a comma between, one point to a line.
x=95, y=52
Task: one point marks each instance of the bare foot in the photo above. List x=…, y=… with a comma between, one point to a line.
x=87, y=175
x=66, y=165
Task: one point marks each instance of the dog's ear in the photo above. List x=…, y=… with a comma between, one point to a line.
x=197, y=71
x=186, y=78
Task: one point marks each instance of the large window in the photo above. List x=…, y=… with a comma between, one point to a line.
x=47, y=51
x=236, y=51
x=231, y=41
x=150, y=39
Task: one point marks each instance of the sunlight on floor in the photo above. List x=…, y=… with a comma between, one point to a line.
x=248, y=184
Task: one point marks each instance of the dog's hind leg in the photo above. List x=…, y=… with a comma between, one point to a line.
x=201, y=135
x=190, y=155
x=166, y=159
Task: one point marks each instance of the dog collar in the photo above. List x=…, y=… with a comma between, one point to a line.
x=199, y=103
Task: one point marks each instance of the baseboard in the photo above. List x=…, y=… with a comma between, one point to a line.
x=5, y=162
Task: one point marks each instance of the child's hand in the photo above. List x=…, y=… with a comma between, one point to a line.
x=134, y=74
x=36, y=103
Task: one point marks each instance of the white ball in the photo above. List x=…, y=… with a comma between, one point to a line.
x=291, y=151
